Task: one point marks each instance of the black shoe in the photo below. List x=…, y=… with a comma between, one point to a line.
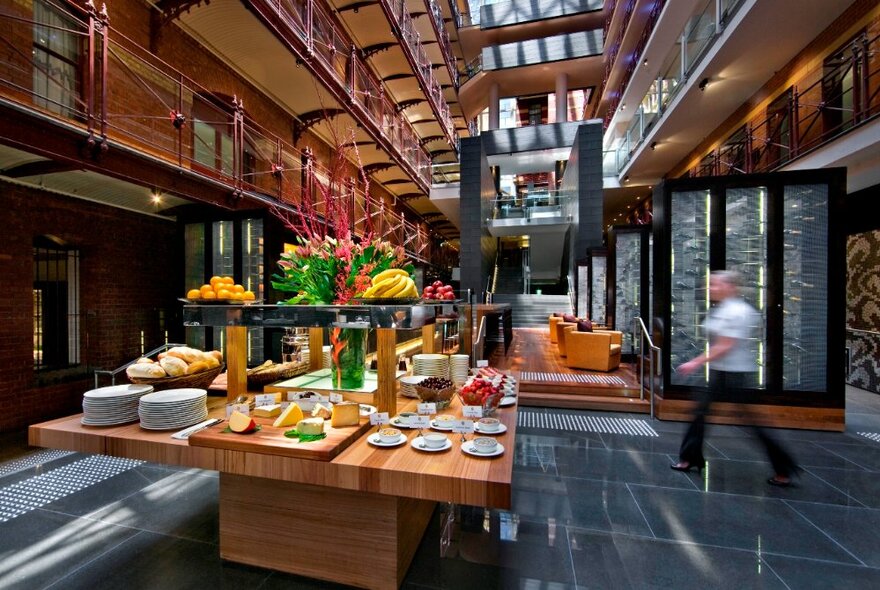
x=687, y=466
x=782, y=483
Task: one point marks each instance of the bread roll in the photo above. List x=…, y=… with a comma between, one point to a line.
x=173, y=366
x=217, y=355
x=190, y=355
x=143, y=359
x=145, y=371
x=211, y=361
x=197, y=367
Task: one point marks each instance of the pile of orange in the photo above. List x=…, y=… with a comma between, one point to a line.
x=221, y=288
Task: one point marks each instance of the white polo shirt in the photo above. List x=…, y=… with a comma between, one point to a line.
x=736, y=319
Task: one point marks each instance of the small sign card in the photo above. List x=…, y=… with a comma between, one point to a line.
x=472, y=411
x=481, y=364
x=284, y=405
x=264, y=399
x=463, y=426
x=296, y=396
x=379, y=418
x=428, y=408
x=335, y=398
x=243, y=408
x=420, y=422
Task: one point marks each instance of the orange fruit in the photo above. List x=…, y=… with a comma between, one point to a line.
x=248, y=296
x=224, y=294
x=237, y=296
x=237, y=289
x=214, y=280
x=193, y=294
x=229, y=280
x=209, y=295
x=205, y=289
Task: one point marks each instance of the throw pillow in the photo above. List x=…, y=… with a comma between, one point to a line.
x=584, y=326
x=569, y=319
x=556, y=314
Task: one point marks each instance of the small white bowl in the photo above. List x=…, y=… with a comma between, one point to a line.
x=484, y=444
x=406, y=418
x=389, y=435
x=489, y=424
x=434, y=440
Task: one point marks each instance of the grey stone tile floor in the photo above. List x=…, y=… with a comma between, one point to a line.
x=590, y=510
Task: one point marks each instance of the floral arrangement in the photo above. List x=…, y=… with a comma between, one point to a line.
x=323, y=271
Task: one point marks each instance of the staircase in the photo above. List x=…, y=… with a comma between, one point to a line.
x=531, y=311
x=510, y=280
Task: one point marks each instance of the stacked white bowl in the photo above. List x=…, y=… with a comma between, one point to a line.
x=459, y=364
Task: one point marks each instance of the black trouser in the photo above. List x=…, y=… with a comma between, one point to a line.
x=720, y=382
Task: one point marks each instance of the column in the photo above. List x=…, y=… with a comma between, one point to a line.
x=494, y=107
x=561, y=97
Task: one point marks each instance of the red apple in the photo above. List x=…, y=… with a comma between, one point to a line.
x=449, y=296
x=436, y=284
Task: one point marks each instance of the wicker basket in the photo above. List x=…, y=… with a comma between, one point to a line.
x=259, y=378
x=201, y=380
x=441, y=397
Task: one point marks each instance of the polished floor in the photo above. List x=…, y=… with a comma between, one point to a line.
x=595, y=506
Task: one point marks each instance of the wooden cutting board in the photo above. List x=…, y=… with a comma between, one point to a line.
x=271, y=441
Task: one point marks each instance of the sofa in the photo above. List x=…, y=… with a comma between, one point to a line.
x=594, y=351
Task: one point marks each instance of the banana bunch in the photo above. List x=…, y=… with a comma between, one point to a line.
x=394, y=282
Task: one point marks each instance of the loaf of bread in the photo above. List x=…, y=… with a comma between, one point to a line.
x=144, y=359
x=197, y=367
x=173, y=366
x=211, y=361
x=217, y=355
x=190, y=355
x=145, y=371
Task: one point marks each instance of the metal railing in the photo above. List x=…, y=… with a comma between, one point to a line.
x=112, y=373
x=572, y=297
x=549, y=203
x=641, y=335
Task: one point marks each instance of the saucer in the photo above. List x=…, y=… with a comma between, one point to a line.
x=507, y=401
x=374, y=440
x=468, y=449
x=501, y=429
x=436, y=426
x=417, y=442
x=398, y=424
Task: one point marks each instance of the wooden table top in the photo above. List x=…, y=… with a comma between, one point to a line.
x=447, y=476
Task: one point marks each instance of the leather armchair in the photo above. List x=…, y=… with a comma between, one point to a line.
x=561, y=328
x=595, y=351
x=553, y=321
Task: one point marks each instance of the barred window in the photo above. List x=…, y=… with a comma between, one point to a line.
x=56, y=305
x=56, y=53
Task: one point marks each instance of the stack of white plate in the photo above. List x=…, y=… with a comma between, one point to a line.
x=431, y=365
x=459, y=364
x=328, y=362
x=173, y=408
x=407, y=383
x=117, y=404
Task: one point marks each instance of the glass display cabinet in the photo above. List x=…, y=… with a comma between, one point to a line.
x=778, y=232
x=628, y=284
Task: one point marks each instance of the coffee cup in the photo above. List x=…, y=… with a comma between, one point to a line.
x=489, y=424
x=389, y=435
x=434, y=440
x=484, y=444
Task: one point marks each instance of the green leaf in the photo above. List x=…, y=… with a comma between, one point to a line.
x=305, y=437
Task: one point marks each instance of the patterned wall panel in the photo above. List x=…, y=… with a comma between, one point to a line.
x=863, y=310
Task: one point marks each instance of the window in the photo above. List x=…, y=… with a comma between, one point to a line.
x=56, y=305
x=838, y=87
x=56, y=51
x=212, y=144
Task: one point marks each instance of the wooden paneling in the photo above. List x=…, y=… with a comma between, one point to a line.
x=365, y=540
x=316, y=349
x=385, y=398
x=236, y=358
x=68, y=434
x=758, y=414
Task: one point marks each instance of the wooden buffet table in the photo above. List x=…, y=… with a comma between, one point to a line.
x=354, y=519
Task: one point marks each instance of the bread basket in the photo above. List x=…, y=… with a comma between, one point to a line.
x=261, y=375
x=200, y=380
x=441, y=397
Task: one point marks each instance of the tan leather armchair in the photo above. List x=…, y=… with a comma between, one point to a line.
x=595, y=351
x=561, y=328
x=553, y=321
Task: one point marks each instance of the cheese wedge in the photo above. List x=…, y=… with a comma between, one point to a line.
x=310, y=426
x=289, y=417
x=267, y=411
x=345, y=414
x=322, y=410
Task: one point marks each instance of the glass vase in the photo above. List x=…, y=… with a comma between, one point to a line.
x=348, y=351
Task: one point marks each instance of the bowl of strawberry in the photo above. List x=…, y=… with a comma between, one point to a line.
x=437, y=291
x=481, y=392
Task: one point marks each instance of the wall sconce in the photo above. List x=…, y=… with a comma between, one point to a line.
x=703, y=83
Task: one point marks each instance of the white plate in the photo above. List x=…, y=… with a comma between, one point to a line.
x=170, y=396
x=501, y=429
x=468, y=449
x=507, y=401
x=398, y=424
x=118, y=391
x=374, y=440
x=435, y=426
x=366, y=410
x=417, y=444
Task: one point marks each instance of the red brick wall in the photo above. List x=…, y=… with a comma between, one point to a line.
x=129, y=266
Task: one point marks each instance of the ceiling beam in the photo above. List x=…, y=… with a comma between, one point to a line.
x=306, y=121
x=371, y=50
x=405, y=104
x=40, y=168
x=410, y=196
x=356, y=6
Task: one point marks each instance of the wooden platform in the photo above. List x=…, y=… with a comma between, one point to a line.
x=532, y=352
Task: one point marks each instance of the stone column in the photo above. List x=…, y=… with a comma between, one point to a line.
x=561, y=98
x=494, y=107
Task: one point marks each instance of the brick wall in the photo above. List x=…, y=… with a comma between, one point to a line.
x=126, y=261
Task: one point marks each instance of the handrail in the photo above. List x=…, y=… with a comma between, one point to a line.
x=643, y=335
x=118, y=370
x=527, y=271
x=858, y=331
x=571, y=300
